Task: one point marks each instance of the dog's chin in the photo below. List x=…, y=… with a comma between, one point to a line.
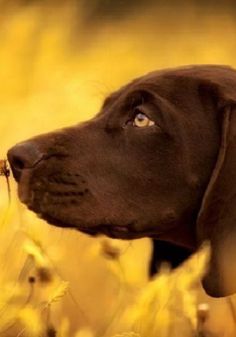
x=113, y=231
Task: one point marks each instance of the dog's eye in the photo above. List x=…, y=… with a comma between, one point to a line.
x=142, y=121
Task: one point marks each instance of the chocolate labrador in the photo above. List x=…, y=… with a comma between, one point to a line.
x=158, y=161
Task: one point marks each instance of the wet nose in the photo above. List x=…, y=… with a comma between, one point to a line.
x=22, y=156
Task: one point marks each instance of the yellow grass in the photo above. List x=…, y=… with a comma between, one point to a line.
x=56, y=70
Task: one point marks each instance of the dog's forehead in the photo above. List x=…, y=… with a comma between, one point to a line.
x=139, y=84
x=179, y=86
x=161, y=79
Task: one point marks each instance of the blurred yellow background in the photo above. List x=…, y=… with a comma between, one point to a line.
x=58, y=61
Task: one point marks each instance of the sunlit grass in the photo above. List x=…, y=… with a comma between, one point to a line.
x=55, y=71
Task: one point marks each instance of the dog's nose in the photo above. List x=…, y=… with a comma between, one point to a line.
x=22, y=156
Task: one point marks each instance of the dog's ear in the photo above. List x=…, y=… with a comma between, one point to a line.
x=216, y=221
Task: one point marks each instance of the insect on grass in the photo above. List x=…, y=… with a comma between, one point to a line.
x=5, y=172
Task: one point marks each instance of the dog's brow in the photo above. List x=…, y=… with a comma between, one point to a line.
x=110, y=98
x=134, y=98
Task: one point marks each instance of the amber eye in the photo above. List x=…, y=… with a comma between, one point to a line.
x=142, y=121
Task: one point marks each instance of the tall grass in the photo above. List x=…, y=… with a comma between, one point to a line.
x=56, y=68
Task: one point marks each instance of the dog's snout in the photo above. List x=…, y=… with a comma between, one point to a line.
x=22, y=156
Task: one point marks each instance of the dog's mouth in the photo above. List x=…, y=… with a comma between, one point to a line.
x=55, y=198
x=65, y=201
x=115, y=231
x=56, y=209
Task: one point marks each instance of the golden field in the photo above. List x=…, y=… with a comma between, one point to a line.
x=55, y=70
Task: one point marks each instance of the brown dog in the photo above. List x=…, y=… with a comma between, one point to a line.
x=159, y=160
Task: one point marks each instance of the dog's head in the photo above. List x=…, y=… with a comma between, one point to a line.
x=159, y=160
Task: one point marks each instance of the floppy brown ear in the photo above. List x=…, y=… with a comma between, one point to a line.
x=217, y=217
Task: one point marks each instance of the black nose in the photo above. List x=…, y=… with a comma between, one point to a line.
x=22, y=156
